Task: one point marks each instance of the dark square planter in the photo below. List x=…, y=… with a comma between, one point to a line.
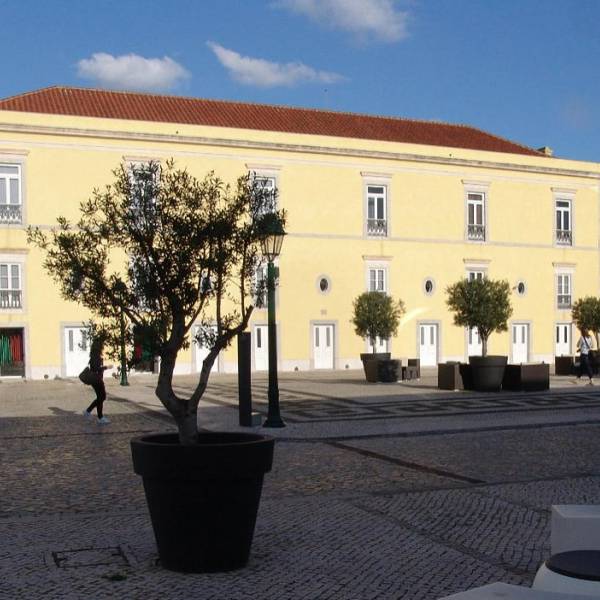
x=527, y=378
x=466, y=375
x=564, y=365
x=449, y=377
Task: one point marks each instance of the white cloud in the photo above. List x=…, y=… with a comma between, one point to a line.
x=265, y=73
x=380, y=18
x=132, y=72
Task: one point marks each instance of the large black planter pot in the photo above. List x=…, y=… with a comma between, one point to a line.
x=203, y=499
x=369, y=361
x=487, y=372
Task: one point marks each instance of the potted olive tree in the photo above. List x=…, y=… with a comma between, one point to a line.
x=485, y=304
x=376, y=315
x=586, y=316
x=165, y=251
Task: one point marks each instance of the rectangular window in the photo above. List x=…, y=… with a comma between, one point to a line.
x=377, y=280
x=269, y=186
x=377, y=210
x=10, y=286
x=260, y=286
x=10, y=194
x=564, y=232
x=143, y=190
x=563, y=290
x=475, y=275
x=476, y=216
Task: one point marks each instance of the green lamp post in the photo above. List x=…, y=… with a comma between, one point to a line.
x=271, y=248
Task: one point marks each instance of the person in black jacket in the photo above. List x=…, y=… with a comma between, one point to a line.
x=97, y=367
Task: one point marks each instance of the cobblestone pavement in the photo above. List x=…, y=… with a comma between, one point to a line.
x=436, y=494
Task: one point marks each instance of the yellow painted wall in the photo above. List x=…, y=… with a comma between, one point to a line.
x=321, y=182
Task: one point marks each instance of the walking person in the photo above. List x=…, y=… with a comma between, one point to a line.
x=584, y=345
x=97, y=367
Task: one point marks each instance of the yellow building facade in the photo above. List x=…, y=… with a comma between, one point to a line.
x=408, y=215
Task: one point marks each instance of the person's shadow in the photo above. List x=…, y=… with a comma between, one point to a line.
x=60, y=412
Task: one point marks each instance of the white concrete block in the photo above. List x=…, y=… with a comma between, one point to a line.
x=505, y=591
x=575, y=527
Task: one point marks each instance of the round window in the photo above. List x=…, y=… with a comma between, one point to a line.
x=429, y=286
x=521, y=288
x=323, y=284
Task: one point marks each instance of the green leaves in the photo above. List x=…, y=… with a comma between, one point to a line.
x=376, y=315
x=586, y=314
x=146, y=242
x=481, y=303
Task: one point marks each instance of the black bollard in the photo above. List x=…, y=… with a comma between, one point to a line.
x=244, y=379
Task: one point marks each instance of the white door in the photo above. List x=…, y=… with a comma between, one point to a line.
x=77, y=350
x=520, y=343
x=261, y=347
x=428, y=341
x=474, y=345
x=202, y=352
x=562, y=339
x=380, y=345
x=323, y=346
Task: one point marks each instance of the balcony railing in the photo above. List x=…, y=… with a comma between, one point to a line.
x=476, y=232
x=10, y=299
x=10, y=213
x=377, y=227
x=564, y=300
x=564, y=237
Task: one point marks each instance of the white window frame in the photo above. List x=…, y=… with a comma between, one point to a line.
x=563, y=236
x=476, y=274
x=7, y=294
x=564, y=290
x=260, y=274
x=11, y=212
x=133, y=163
x=270, y=183
x=377, y=278
x=476, y=194
x=376, y=210
x=476, y=216
x=377, y=222
x=267, y=173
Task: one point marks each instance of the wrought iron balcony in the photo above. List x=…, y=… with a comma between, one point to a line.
x=10, y=213
x=564, y=300
x=476, y=232
x=564, y=237
x=377, y=227
x=10, y=299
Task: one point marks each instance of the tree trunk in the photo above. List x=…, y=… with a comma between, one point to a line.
x=183, y=411
x=483, y=346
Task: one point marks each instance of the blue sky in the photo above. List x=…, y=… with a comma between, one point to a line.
x=527, y=70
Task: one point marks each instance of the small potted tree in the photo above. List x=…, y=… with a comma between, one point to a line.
x=376, y=315
x=166, y=251
x=586, y=316
x=485, y=304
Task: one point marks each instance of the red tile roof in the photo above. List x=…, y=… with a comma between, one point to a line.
x=84, y=102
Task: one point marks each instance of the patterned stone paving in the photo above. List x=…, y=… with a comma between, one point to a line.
x=310, y=407
x=414, y=516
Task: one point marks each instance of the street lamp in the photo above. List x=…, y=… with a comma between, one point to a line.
x=271, y=248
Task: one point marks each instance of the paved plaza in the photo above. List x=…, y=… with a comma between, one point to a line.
x=391, y=491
